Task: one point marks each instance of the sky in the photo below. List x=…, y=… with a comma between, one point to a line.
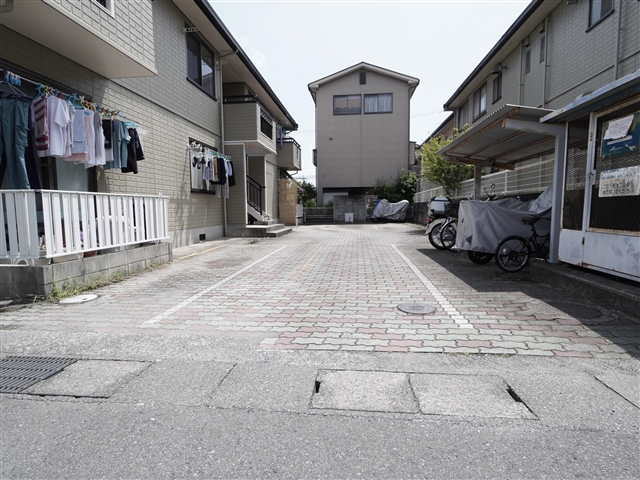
x=293, y=43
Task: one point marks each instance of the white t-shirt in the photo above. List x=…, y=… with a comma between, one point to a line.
x=58, y=117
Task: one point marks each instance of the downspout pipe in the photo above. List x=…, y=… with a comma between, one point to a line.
x=546, y=59
x=224, y=200
x=618, y=33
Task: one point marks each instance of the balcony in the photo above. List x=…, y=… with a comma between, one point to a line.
x=88, y=33
x=53, y=239
x=248, y=121
x=289, y=154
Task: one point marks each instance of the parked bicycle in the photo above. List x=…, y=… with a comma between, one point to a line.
x=514, y=252
x=449, y=231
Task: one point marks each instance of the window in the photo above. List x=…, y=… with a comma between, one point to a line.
x=266, y=124
x=347, y=104
x=378, y=103
x=543, y=43
x=106, y=4
x=598, y=10
x=480, y=102
x=527, y=61
x=463, y=115
x=363, y=78
x=200, y=63
x=497, y=88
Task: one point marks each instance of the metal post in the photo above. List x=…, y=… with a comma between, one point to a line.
x=558, y=187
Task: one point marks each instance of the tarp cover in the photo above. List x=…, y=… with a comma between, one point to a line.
x=390, y=211
x=481, y=225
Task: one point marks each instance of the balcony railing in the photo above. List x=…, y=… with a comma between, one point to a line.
x=52, y=223
x=530, y=179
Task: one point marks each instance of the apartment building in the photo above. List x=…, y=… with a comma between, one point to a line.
x=543, y=99
x=173, y=70
x=362, y=129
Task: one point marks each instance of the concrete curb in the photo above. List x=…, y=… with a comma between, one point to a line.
x=616, y=293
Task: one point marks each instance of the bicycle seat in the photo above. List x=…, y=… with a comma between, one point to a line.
x=530, y=219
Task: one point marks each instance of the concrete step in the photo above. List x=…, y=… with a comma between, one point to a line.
x=258, y=231
x=280, y=232
x=615, y=292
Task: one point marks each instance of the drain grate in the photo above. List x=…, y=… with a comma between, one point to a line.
x=416, y=308
x=18, y=373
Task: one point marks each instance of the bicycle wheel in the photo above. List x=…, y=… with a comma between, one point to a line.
x=513, y=253
x=479, y=258
x=448, y=235
x=434, y=237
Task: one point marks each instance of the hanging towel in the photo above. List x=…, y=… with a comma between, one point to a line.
x=41, y=128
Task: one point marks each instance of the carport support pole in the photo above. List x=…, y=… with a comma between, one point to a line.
x=560, y=132
x=556, y=201
x=477, y=181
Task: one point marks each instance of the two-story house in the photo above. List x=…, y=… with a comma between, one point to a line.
x=172, y=70
x=540, y=105
x=362, y=129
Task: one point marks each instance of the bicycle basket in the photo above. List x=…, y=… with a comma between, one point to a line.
x=451, y=210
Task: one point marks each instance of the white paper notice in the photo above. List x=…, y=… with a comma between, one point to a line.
x=618, y=128
x=621, y=182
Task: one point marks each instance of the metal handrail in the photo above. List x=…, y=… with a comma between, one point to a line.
x=254, y=194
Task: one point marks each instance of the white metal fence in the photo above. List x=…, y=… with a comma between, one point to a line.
x=528, y=179
x=52, y=223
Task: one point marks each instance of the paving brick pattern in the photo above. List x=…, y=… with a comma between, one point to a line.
x=338, y=287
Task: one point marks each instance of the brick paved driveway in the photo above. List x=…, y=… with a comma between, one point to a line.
x=338, y=287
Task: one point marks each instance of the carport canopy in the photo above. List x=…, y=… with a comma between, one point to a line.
x=510, y=135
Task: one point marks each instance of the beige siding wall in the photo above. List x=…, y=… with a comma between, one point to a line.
x=237, y=202
x=578, y=59
x=356, y=150
x=165, y=169
x=241, y=121
x=171, y=89
x=130, y=26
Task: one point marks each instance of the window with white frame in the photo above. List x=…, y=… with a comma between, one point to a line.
x=347, y=104
x=598, y=10
x=200, y=65
x=378, y=103
x=480, y=102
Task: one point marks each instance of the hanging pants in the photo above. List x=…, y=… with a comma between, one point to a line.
x=14, y=126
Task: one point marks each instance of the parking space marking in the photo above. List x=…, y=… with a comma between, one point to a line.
x=195, y=297
x=453, y=313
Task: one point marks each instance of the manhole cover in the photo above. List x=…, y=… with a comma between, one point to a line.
x=416, y=308
x=18, y=373
x=576, y=310
x=79, y=299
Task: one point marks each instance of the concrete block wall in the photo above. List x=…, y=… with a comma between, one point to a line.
x=355, y=204
x=130, y=25
x=19, y=281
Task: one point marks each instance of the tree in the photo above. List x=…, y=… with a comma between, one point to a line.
x=403, y=188
x=308, y=195
x=435, y=168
